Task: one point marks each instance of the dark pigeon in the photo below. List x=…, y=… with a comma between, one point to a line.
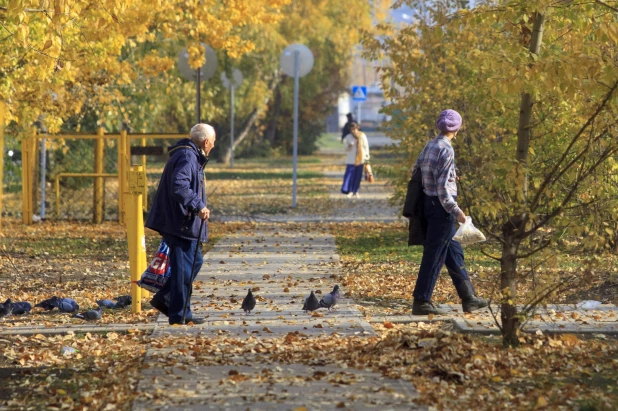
x=49, y=304
x=91, y=315
x=330, y=299
x=21, y=308
x=67, y=305
x=106, y=303
x=7, y=308
x=311, y=303
x=123, y=301
x=248, y=303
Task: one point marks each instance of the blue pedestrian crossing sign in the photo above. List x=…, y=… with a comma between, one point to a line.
x=359, y=93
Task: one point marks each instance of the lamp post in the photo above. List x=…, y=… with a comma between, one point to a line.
x=297, y=61
x=203, y=73
x=232, y=84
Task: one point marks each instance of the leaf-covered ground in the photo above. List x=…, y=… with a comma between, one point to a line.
x=451, y=371
x=380, y=271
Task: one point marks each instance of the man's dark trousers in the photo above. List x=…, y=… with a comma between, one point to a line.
x=440, y=250
x=176, y=289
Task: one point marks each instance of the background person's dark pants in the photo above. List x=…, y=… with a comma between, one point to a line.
x=176, y=289
x=440, y=249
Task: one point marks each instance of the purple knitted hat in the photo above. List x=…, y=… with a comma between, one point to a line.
x=449, y=120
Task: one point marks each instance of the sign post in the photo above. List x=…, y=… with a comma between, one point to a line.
x=297, y=61
x=204, y=73
x=232, y=85
x=359, y=94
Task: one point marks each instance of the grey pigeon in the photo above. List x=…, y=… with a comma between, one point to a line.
x=91, y=315
x=311, y=303
x=106, y=303
x=49, y=304
x=7, y=308
x=21, y=308
x=330, y=299
x=67, y=305
x=123, y=301
x=248, y=303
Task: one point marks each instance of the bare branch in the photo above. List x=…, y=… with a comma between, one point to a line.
x=27, y=10
x=554, y=172
x=606, y=5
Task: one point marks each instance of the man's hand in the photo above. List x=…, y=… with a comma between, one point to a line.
x=204, y=214
x=461, y=218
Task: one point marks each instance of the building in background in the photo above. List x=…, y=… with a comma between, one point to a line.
x=365, y=73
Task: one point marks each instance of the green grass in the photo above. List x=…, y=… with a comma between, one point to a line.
x=390, y=244
x=330, y=140
x=258, y=175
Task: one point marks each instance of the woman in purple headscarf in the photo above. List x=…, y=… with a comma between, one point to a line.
x=437, y=163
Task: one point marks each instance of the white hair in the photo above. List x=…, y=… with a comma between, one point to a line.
x=201, y=132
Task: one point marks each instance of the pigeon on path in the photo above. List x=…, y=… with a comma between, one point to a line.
x=91, y=315
x=21, y=308
x=49, y=304
x=123, y=301
x=248, y=303
x=67, y=305
x=330, y=299
x=106, y=303
x=7, y=308
x=311, y=303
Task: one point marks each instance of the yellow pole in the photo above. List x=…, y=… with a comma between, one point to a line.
x=121, y=176
x=145, y=196
x=2, y=108
x=135, y=234
x=99, y=188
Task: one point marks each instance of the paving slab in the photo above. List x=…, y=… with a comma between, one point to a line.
x=281, y=268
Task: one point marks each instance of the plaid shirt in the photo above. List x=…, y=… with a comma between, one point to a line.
x=437, y=162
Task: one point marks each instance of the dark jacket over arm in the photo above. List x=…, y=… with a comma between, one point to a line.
x=181, y=194
x=413, y=209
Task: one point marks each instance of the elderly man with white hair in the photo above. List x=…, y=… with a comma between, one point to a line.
x=178, y=211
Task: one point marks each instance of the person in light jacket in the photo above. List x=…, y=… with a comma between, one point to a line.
x=357, y=154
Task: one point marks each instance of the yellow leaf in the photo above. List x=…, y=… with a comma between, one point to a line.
x=541, y=402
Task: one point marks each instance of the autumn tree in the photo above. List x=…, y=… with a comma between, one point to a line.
x=61, y=56
x=536, y=83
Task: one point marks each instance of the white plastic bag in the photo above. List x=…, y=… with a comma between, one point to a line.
x=589, y=304
x=468, y=234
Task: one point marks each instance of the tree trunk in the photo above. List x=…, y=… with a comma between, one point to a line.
x=272, y=125
x=525, y=110
x=246, y=127
x=508, y=285
x=512, y=229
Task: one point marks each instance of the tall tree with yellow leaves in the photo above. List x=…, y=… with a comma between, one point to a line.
x=537, y=86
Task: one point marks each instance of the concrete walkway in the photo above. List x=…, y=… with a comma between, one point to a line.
x=282, y=267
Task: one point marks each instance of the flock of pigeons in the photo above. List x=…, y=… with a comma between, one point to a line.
x=68, y=305
x=311, y=302
x=64, y=305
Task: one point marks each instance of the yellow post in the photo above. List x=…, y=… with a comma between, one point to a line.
x=99, y=188
x=135, y=233
x=122, y=185
x=2, y=108
x=145, y=196
x=27, y=175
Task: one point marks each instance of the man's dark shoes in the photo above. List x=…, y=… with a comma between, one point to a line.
x=192, y=320
x=425, y=308
x=160, y=306
x=473, y=303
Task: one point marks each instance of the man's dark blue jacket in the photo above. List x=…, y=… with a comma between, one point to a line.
x=181, y=191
